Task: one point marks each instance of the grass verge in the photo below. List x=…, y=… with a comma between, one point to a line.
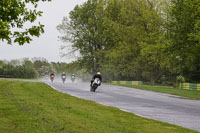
x=189, y=94
x=30, y=107
x=18, y=79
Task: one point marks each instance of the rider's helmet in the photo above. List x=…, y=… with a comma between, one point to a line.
x=51, y=74
x=63, y=73
x=73, y=75
x=98, y=73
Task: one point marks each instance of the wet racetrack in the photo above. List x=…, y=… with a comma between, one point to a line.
x=158, y=106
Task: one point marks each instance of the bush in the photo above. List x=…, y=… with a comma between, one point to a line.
x=179, y=79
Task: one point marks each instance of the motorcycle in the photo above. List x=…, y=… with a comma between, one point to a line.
x=52, y=78
x=63, y=78
x=73, y=78
x=95, y=84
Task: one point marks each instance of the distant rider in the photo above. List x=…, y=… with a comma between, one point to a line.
x=63, y=75
x=52, y=76
x=97, y=75
x=73, y=76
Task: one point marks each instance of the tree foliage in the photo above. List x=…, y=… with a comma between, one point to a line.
x=40, y=68
x=184, y=35
x=84, y=32
x=112, y=36
x=13, y=15
x=147, y=40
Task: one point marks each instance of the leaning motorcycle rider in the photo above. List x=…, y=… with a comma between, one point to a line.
x=97, y=75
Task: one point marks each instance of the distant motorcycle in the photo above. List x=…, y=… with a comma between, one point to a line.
x=52, y=78
x=73, y=78
x=63, y=78
x=95, y=84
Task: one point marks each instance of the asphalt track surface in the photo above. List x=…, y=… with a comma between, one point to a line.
x=159, y=106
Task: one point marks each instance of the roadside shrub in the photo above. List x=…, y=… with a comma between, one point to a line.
x=179, y=79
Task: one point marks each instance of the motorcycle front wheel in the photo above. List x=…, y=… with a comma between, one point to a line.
x=94, y=87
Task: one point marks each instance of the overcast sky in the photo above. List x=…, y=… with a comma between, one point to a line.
x=47, y=45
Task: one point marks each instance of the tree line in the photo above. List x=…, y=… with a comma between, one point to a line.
x=150, y=40
x=37, y=68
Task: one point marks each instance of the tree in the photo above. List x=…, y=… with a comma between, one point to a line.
x=185, y=41
x=42, y=66
x=13, y=15
x=124, y=39
x=137, y=33
x=84, y=32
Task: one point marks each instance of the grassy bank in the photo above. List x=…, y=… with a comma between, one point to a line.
x=17, y=79
x=27, y=107
x=190, y=94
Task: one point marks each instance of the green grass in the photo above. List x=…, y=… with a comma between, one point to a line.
x=27, y=107
x=16, y=79
x=189, y=94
